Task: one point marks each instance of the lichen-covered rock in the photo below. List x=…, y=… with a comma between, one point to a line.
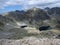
x=30, y=41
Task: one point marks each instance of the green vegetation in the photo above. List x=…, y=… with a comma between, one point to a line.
x=21, y=33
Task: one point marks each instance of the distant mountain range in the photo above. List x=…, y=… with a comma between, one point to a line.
x=35, y=16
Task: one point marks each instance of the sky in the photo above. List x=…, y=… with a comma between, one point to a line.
x=12, y=5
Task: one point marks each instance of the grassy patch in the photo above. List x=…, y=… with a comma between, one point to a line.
x=21, y=33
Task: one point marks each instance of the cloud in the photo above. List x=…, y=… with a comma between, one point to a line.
x=26, y=4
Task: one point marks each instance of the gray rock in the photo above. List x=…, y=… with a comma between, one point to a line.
x=30, y=41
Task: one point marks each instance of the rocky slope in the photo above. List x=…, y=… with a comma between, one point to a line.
x=30, y=41
x=34, y=17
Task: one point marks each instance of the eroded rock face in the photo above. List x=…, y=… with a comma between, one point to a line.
x=30, y=41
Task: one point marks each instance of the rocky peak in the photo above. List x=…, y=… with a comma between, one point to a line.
x=35, y=9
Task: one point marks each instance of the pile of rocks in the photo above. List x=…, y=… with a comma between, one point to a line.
x=30, y=41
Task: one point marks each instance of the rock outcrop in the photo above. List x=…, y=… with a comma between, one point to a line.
x=30, y=41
